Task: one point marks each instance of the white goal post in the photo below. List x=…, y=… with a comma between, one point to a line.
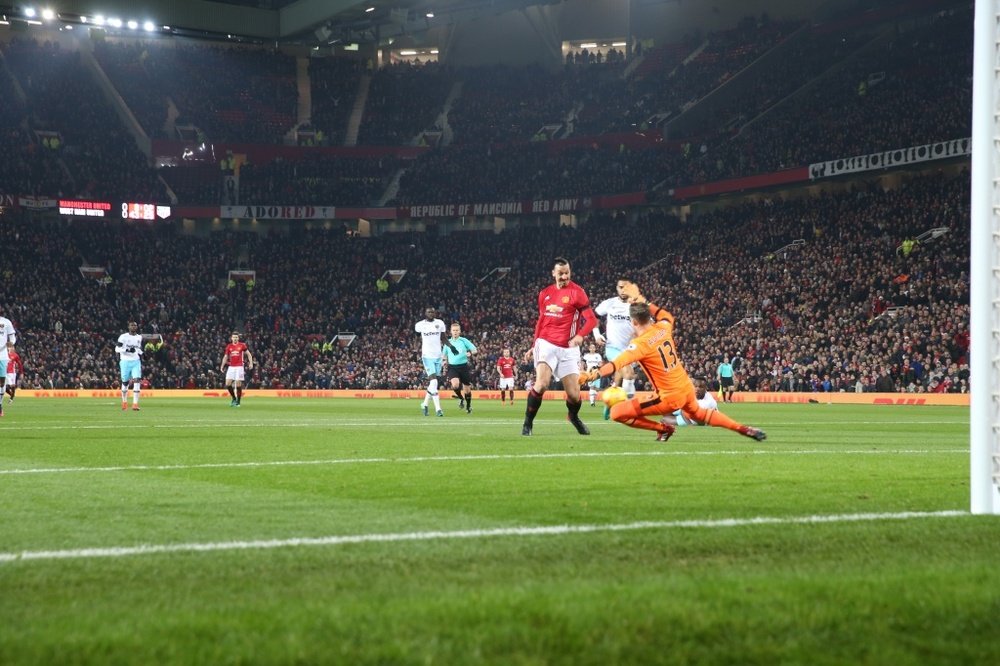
x=984, y=473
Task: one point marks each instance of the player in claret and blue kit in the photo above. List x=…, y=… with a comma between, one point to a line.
x=129, y=349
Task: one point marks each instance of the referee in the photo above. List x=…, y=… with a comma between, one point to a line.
x=459, y=373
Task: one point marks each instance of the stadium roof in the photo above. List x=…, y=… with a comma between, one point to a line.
x=309, y=21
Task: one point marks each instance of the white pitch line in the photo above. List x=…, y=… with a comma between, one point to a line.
x=336, y=422
x=524, y=531
x=473, y=457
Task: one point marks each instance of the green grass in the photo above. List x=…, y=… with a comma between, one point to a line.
x=886, y=590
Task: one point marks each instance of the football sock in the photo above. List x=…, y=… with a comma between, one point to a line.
x=239, y=394
x=124, y=391
x=574, y=409
x=629, y=386
x=135, y=394
x=232, y=391
x=468, y=401
x=714, y=417
x=593, y=395
x=534, y=402
x=432, y=388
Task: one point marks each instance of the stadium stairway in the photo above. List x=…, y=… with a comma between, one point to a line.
x=447, y=133
x=358, y=111
x=15, y=84
x=392, y=189
x=114, y=99
x=304, y=86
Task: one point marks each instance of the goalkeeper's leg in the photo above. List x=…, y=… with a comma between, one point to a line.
x=633, y=414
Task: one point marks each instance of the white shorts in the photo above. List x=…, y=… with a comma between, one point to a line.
x=564, y=361
x=234, y=373
x=11, y=379
x=506, y=383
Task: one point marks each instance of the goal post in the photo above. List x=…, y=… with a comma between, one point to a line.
x=985, y=263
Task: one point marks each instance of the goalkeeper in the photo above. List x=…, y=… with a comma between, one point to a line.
x=653, y=348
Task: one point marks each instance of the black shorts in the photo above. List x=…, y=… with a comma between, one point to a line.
x=726, y=382
x=460, y=372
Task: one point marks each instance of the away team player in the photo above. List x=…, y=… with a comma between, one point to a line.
x=432, y=339
x=8, y=338
x=129, y=349
x=591, y=361
x=619, y=334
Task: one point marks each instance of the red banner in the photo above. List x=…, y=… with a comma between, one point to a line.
x=525, y=207
x=796, y=175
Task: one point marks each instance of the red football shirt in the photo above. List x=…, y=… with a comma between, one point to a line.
x=505, y=364
x=560, y=312
x=235, y=354
x=14, y=364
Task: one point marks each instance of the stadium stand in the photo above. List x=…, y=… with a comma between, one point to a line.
x=334, y=84
x=840, y=310
x=317, y=179
x=100, y=156
x=403, y=101
x=795, y=318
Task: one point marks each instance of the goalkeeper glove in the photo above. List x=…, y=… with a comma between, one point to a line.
x=589, y=376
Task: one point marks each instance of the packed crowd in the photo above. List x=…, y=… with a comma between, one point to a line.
x=333, y=89
x=912, y=89
x=317, y=179
x=838, y=92
x=229, y=93
x=101, y=159
x=844, y=310
x=674, y=86
x=404, y=99
x=26, y=167
x=504, y=103
x=529, y=171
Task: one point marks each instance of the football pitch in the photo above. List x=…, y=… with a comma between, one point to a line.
x=361, y=532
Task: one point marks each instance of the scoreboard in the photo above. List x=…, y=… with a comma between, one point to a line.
x=129, y=210
x=144, y=211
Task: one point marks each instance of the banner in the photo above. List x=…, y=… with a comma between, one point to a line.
x=891, y=158
x=34, y=203
x=279, y=212
x=739, y=184
x=805, y=400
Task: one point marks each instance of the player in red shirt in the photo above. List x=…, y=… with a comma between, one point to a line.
x=14, y=369
x=505, y=368
x=234, y=356
x=564, y=320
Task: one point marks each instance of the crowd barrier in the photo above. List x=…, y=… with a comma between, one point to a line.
x=940, y=399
